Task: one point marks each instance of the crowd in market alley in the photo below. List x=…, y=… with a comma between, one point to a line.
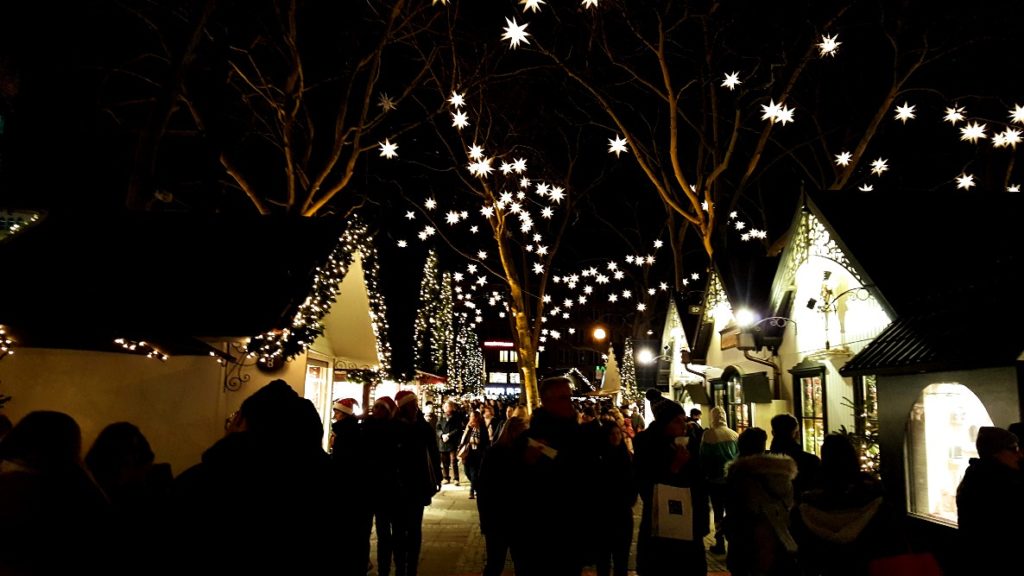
x=555, y=488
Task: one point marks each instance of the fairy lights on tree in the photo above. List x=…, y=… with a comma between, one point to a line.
x=628, y=373
x=423, y=333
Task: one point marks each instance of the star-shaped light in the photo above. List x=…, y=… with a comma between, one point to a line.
x=954, y=114
x=487, y=211
x=740, y=225
x=557, y=194
x=843, y=158
x=531, y=5
x=402, y=243
x=542, y=250
x=388, y=149
x=972, y=132
x=771, y=110
x=663, y=286
x=617, y=146
x=619, y=275
x=965, y=181
x=1017, y=114
x=386, y=102
x=482, y=255
x=538, y=268
x=452, y=218
x=905, y=112
x=865, y=187
x=785, y=116
x=519, y=165
x=515, y=34
x=430, y=204
x=878, y=166
x=547, y=212
x=590, y=3
x=651, y=291
x=626, y=294
x=460, y=120
x=695, y=276
x=476, y=152
x=1007, y=138
x=613, y=297
x=506, y=168
x=658, y=244
x=410, y=215
x=828, y=45
x=481, y=168
x=1013, y=188
x=542, y=189
x=641, y=307
x=474, y=229
x=457, y=100
x=731, y=81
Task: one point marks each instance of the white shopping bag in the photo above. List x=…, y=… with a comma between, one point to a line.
x=672, y=513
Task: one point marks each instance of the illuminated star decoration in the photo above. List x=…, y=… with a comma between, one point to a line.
x=905, y=112
x=964, y=181
x=457, y=100
x=843, y=158
x=617, y=146
x=776, y=113
x=515, y=33
x=1013, y=188
x=954, y=114
x=972, y=132
x=878, y=166
x=866, y=187
x=1007, y=138
x=531, y=5
x=731, y=81
x=460, y=120
x=387, y=149
x=1017, y=114
x=828, y=45
x=590, y=3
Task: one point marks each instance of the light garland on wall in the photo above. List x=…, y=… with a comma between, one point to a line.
x=307, y=324
x=14, y=221
x=141, y=347
x=6, y=343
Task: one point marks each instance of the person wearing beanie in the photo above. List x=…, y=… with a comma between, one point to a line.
x=662, y=455
x=990, y=503
x=718, y=448
x=419, y=478
x=380, y=445
x=347, y=453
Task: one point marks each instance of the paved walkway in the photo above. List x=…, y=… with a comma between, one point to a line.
x=453, y=545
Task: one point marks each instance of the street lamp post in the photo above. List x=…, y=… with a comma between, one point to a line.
x=830, y=302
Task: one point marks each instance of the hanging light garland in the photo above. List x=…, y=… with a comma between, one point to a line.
x=307, y=324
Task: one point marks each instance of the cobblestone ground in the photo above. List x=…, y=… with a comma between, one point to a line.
x=453, y=545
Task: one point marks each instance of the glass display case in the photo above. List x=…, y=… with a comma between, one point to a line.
x=809, y=379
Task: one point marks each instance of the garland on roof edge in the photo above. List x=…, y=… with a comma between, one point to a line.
x=307, y=324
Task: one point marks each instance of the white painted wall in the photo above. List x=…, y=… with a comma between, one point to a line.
x=179, y=405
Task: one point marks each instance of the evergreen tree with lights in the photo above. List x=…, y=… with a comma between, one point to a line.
x=430, y=291
x=442, y=323
x=628, y=373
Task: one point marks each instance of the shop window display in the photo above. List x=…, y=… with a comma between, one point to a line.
x=941, y=431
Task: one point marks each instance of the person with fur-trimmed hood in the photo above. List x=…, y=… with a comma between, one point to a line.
x=758, y=505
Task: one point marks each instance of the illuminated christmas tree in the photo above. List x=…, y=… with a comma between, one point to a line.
x=628, y=373
x=430, y=290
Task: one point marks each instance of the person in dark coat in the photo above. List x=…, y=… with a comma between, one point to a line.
x=419, y=478
x=990, y=504
x=618, y=491
x=475, y=442
x=554, y=470
x=355, y=522
x=255, y=501
x=450, y=427
x=663, y=457
x=53, y=517
x=785, y=440
x=495, y=487
x=380, y=443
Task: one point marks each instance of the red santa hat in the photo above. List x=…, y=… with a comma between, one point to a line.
x=386, y=402
x=344, y=405
x=404, y=397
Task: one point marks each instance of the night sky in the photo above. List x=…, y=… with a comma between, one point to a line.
x=83, y=88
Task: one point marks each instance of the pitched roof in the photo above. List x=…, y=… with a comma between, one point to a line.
x=79, y=280
x=946, y=263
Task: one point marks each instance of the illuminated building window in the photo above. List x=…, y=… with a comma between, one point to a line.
x=508, y=356
x=497, y=378
x=513, y=378
x=941, y=432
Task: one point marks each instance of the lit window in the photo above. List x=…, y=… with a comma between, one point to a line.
x=513, y=378
x=941, y=431
x=498, y=378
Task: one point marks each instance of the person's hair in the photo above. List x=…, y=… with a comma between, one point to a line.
x=548, y=385
x=752, y=441
x=653, y=394
x=840, y=462
x=119, y=446
x=695, y=412
x=589, y=412
x=784, y=424
x=45, y=440
x=513, y=427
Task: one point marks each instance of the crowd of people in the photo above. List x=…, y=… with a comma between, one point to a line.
x=556, y=491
